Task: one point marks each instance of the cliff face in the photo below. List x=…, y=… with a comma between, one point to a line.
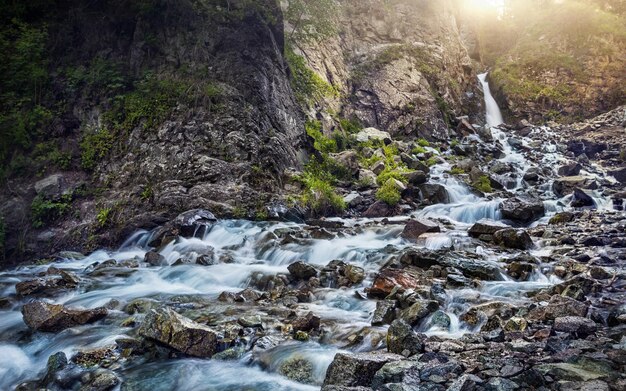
x=156, y=107
x=399, y=65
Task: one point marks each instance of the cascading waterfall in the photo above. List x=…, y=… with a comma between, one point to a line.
x=493, y=114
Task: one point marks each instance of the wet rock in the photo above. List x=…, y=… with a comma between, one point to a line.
x=339, y=274
x=515, y=324
x=250, y=321
x=418, y=311
x=471, y=266
x=368, y=134
x=42, y=316
x=414, y=228
x=619, y=174
x=513, y=238
x=466, y=382
x=566, y=185
x=581, y=199
x=570, y=169
x=306, y=323
x=385, y=282
x=575, y=325
x=155, y=259
x=356, y=369
x=379, y=209
x=524, y=211
x=298, y=369
x=100, y=380
x=301, y=270
x=48, y=285
x=433, y=193
x=485, y=227
x=561, y=218
x=401, y=339
x=384, y=313
x=559, y=306
x=520, y=271
x=177, y=332
x=532, y=175
x=441, y=320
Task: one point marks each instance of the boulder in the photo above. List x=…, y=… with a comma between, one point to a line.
x=581, y=198
x=155, y=259
x=415, y=178
x=570, y=169
x=513, y=238
x=387, y=279
x=356, y=369
x=433, y=193
x=179, y=333
x=619, y=174
x=379, y=209
x=401, y=339
x=414, y=228
x=561, y=218
x=42, y=316
x=301, y=270
x=558, y=306
x=48, y=285
x=348, y=159
x=486, y=227
x=566, y=185
x=306, y=323
x=368, y=134
x=575, y=325
x=418, y=311
x=384, y=313
x=524, y=211
x=51, y=187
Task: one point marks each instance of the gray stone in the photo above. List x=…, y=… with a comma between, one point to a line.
x=42, y=316
x=356, y=369
x=401, y=339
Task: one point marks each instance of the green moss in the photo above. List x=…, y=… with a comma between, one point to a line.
x=418, y=150
x=389, y=193
x=423, y=142
x=483, y=183
x=308, y=86
x=261, y=214
x=350, y=126
x=457, y=171
x=44, y=212
x=94, y=146
x=431, y=161
x=147, y=193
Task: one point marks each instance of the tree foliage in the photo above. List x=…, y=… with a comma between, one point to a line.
x=311, y=20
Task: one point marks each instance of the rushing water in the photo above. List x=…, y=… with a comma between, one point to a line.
x=254, y=250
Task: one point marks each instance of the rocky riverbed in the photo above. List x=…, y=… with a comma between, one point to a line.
x=519, y=288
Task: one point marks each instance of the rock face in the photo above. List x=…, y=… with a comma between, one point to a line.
x=389, y=60
x=168, y=327
x=192, y=153
x=42, y=316
x=352, y=370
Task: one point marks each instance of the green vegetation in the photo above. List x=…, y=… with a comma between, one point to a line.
x=483, y=184
x=418, y=150
x=45, y=211
x=319, y=194
x=104, y=217
x=423, y=142
x=147, y=193
x=457, y=171
x=94, y=146
x=48, y=153
x=322, y=143
x=389, y=193
x=308, y=86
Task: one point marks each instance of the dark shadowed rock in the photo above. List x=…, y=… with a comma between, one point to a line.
x=306, y=323
x=356, y=369
x=418, y=311
x=42, y=316
x=485, y=227
x=177, y=332
x=433, y=193
x=524, y=211
x=580, y=199
x=575, y=325
x=301, y=270
x=570, y=169
x=513, y=238
x=155, y=259
x=414, y=228
x=379, y=209
x=566, y=185
x=384, y=313
x=401, y=339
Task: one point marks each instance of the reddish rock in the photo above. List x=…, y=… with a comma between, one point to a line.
x=388, y=279
x=414, y=228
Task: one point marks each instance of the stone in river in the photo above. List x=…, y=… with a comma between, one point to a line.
x=356, y=369
x=414, y=228
x=42, y=316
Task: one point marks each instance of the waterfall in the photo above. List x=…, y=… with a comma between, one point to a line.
x=494, y=116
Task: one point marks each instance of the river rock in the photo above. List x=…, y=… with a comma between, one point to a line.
x=566, y=185
x=379, y=209
x=559, y=306
x=433, y=193
x=298, y=369
x=486, y=227
x=42, y=316
x=356, y=369
x=561, y=218
x=575, y=325
x=513, y=238
x=570, y=169
x=414, y=228
x=401, y=339
x=368, y=134
x=301, y=270
x=384, y=313
x=580, y=199
x=524, y=211
x=49, y=285
x=306, y=323
x=155, y=259
x=385, y=282
x=180, y=333
x=418, y=311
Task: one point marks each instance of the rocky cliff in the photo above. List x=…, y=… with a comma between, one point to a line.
x=152, y=108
